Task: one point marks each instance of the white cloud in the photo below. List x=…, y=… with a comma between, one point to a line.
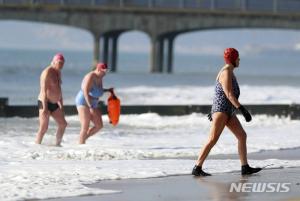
x=195, y=50
x=63, y=38
x=49, y=36
x=297, y=47
x=134, y=48
x=246, y=49
x=256, y=49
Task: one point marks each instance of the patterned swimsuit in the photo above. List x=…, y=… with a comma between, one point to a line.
x=221, y=102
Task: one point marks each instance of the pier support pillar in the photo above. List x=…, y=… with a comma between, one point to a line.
x=96, y=49
x=162, y=51
x=156, y=58
x=170, y=54
x=105, y=48
x=114, y=52
x=110, y=49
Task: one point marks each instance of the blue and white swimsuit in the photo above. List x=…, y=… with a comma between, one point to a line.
x=221, y=102
x=95, y=93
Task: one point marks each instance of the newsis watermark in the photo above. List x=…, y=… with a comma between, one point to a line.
x=260, y=187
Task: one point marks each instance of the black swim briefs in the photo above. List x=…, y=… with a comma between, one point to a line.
x=51, y=106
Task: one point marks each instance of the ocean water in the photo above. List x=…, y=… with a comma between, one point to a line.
x=144, y=145
x=271, y=77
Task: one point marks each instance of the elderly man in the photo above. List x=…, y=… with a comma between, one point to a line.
x=50, y=100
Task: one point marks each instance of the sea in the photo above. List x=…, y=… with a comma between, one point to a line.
x=141, y=145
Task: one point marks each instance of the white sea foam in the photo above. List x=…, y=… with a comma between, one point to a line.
x=182, y=95
x=145, y=136
x=141, y=146
x=169, y=95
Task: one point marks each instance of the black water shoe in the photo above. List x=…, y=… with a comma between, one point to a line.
x=246, y=170
x=197, y=171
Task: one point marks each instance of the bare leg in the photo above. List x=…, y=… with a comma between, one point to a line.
x=84, y=117
x=59, y=116
x=43, y=127
x=218, y=124
x=236, y=128
x=96, y=117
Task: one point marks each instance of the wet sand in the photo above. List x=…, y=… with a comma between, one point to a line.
x=216, y=187
x=189, y=188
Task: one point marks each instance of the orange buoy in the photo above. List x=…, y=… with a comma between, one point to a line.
x=113, y=108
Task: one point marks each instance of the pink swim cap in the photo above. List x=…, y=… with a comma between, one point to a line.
x=101, y=66
x=230, y=56
x=58, y=57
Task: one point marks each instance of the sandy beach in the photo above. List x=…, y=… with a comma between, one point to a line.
x=178, y=188
x=216, y=187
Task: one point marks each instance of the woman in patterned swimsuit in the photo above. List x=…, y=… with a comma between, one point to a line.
x=223, y=110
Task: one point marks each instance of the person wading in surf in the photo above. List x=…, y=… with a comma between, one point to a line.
x=50, y=100
x=87, y=102
x=225, y=104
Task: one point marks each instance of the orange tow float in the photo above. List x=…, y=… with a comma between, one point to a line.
x=113, y=108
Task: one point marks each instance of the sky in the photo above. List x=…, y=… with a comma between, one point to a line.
x=33, y=35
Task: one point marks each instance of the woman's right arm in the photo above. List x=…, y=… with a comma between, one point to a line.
x=226, y=82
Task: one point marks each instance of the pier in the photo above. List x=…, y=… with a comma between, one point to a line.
x=162, y=20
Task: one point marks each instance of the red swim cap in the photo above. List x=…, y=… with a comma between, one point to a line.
x=58, y=57
x=101, y=66
x=230, y=56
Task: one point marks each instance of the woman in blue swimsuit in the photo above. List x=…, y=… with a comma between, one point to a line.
x=225, y=104
x=87, y=102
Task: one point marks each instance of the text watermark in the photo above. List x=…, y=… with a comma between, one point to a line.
x=260, y=187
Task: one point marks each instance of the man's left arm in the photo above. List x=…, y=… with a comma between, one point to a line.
x=60, y=102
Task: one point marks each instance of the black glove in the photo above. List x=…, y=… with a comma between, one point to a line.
x=209, y=117
x=245, y=113
x=111, y=90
